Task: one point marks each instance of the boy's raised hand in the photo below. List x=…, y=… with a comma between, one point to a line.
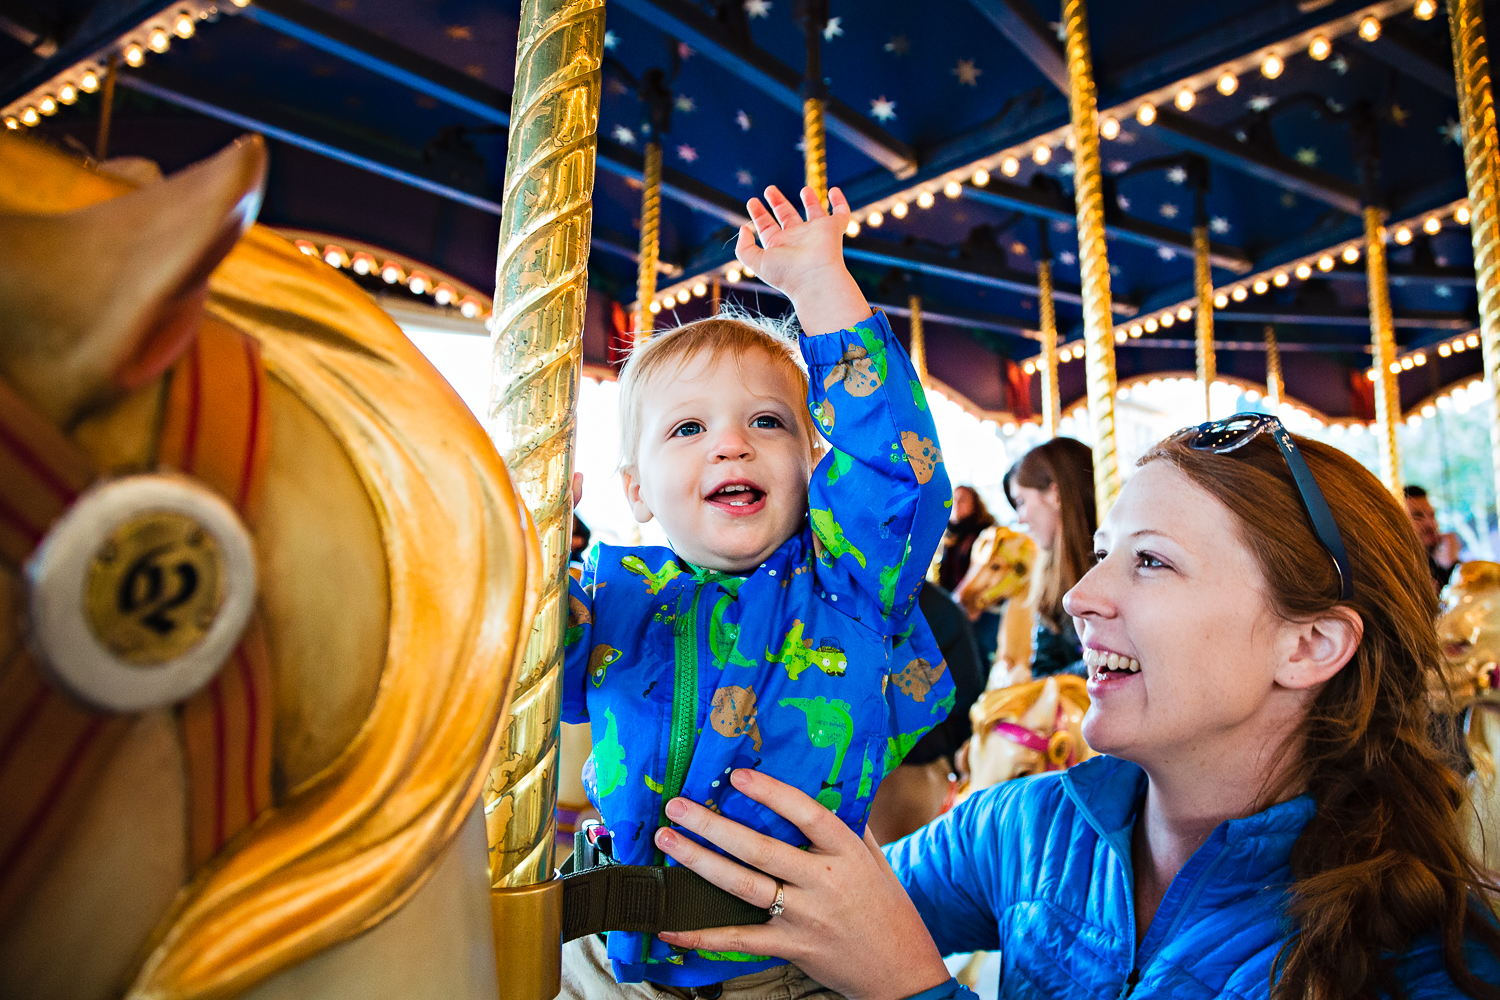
x=804, y=258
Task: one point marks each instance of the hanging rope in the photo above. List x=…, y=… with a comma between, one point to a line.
x=650, y=252
x=1476, y=105
x=918, y=339
x=814, y=15
x=1093, y=262
x=1274, y=384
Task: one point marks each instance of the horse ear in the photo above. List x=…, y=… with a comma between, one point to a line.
x=100, y=299
x=1042, y=715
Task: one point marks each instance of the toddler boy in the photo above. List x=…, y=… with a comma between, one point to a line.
x=780, y=631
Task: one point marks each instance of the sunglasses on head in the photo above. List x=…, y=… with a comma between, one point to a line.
x=1223, y=437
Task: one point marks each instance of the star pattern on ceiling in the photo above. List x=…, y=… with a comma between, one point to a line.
x=1066, y=169
x=1339, y=65
x=1219, y=225
x=758, y=8
x=742, y=120
x=1068, y=258
x=1400, y=115
x=898, y=45
x=1307, y=156
x=1168, y=210
x=624, y=136
x=459, y=32
x=1442, y=291
x=833, y=29
x=685, y=104
x=883, y=109
x=968, y=74
x=1123, y=202
x=1177, y=174
x=1166, y=253
x=1452, y=132
x=744, y=177
x=611, y=40
x=687, y=153
x=1260, y=102
x=615, y=87
x=1117, y=166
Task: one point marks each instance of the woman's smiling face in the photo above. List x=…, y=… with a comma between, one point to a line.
x=1182, y=646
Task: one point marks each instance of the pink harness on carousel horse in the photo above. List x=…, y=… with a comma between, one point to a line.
x=1058, y=750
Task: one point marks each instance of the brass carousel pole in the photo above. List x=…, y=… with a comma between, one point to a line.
x=1476, y=104
x=718, y=294
x=1274, y=383
x=645, y=280
x=1203, y=284
x=541, y=287
x=814, y=99
x=1047, y=308
x=918, y=339
x=1098, y=326
x=1383, y=355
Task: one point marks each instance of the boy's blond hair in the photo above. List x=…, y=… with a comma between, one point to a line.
x=734, y=334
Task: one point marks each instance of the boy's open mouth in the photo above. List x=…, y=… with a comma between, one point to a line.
x=737, y=497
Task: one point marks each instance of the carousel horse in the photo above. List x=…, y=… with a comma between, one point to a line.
x=1469, y=629
x=1000, y=570
x=1026, y=729
x=263, y=585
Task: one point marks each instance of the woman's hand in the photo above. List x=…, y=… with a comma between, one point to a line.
x=847, y=922
x=804, y=259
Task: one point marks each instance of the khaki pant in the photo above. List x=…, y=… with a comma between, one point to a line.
x=586, y=975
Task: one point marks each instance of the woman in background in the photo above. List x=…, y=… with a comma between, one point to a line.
x=970, y=518
x=1052, y=490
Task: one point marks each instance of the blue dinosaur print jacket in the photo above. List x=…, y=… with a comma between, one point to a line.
x=816, y=667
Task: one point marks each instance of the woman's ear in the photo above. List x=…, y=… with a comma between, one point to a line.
x=1054, y=496
x=633, y=496
x=1321, y=648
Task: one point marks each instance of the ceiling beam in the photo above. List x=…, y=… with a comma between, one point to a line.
x=1029, y=32
x=1284, y=346
x=688, y=23
x=1405, y=276
x=1060, y=208
x=1218, y=147
x=102, y=26
x=1412, y=56
x=625, y=162
x=1411, y=319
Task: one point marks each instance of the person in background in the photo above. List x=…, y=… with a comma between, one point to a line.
x=969, y=518
x=918, y=791
x=1442, y=548
x=1052, y=490
x=580, y=544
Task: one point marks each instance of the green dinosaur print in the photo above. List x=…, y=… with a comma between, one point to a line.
x=944, y=705
x=918, y=396
x=655, y=786
x=723, y=637
x=832, y=536
x=897, y=747
x=888, y=578
x=654, y=581
x=828, y=725
x=599, y=661
x=875, y=346
x=797, y=655
x=838, y=464
x=578, y=616
x=866, y=777
x=609, y=758
x=731, y=956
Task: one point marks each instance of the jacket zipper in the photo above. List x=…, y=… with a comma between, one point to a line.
x=684, y=734
x=1130, y=981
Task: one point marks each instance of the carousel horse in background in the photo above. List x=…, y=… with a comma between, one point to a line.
x=1469, y=629
x=1026, y=729
x=1000, y=571
x=192, y=804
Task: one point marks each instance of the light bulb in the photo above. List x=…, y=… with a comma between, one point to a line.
x=1419, y=359
x=469, y=307
x=67, y=93
x=1221, y=301
x=655, y=307
x=183, y=25
x=1351, y=255
x=981, y=177
x=1185, y=313
x=134, y=54
x=1042, y=153
x=1029, y=368
x=418, y=283
x=1444, y=350
x=899, y=210
x=30, y=117
x=444, y=294
x=700, y=289
x=391, y=273
x=159, y=40
x=1432, y=225
x=1320, y=48
x=1280, y=279
x=1010, y=166
x=363, y=263
x=1260, y=286
x=1146, y=113
x=1184, y=99
x=924, y=200
x=1370, y=374
x=732, y=275
x=1109, y=127
x=1135, y=329
x=1459, y=346
x=1239, y=294
x=1369, y=28
x=1167, y=319
x=853, y=228
x=1304, y=271
x=874, y=219
x=1425, y=9
x=1462, y=215
x=1119, y=336
x=1403, y=236
x=1395, y=368
x=1472, y=340
x=333, y=256
x=1407, y=364
x=12, y=122
x=1228, y=83
x=1151, y=325
x=1271, y=66
x=1325, y=263
x=89, y=83
x=953, y=189
x=47, y=105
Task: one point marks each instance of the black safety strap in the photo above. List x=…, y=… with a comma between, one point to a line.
x=600, y=895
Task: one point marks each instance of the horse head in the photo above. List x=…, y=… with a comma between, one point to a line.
x=1027, y=729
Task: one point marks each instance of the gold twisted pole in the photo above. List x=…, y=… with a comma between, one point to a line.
x=1383, y=355
x=1203, y=287
x=541, y=286
x=1476, y=105
x=1093, y=264
x=815, y=147
x=918, y=339
x=645, y=279
x=1274, y=384
x=1051, y=400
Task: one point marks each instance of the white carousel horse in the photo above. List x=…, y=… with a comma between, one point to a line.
x=1469, y=629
